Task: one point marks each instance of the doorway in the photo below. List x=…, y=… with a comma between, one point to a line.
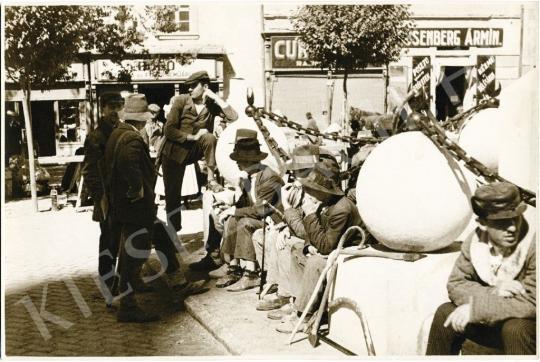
x=450, y=92
x=159, y=94
x=43, y=128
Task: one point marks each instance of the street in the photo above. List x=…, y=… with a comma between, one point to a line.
x=52, y=303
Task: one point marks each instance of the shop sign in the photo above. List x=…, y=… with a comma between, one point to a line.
x=289, y=52
x=456, y=37
x=421, y=73
x=141, y=69
x=485, y=69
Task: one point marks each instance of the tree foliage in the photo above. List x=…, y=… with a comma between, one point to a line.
x=43, y=41
x=350, y=37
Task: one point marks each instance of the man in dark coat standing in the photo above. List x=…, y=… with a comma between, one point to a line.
x=93, y=172
x=188, y=137
x=131, y=178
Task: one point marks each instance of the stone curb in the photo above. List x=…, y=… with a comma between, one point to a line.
x=214, y=328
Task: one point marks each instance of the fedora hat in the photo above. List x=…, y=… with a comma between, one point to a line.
x=247, y=147
x=135, y=109
x=323, y=177
x=498, y=200
x=303, y=157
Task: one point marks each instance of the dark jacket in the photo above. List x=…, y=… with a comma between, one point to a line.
x=183, y=120
x=132, y=171
x=93, y=164
x=465, y=284
x=295, y=221
x=267, y=187
x=325, y=227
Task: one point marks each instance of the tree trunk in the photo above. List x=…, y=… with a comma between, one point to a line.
x=30, y=143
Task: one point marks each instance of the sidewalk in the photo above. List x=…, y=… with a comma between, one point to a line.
x=50, y=247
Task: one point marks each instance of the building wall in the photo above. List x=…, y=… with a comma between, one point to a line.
x=516, y=56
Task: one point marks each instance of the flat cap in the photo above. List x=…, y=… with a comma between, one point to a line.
x=498, y=200
x=110, y=97
x=197, y=77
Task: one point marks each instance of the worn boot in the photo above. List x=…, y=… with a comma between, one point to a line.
x=274, y=303
x=206, y=263
x=234, y=273
x=249, y=280
x=130, y=312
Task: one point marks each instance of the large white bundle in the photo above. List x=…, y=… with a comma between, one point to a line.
x=225, y=145
x=518, y=150
x=505, y=139
x=413, y=197
x=481, y=137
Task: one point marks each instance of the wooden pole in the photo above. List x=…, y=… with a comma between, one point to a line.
x=30, y=145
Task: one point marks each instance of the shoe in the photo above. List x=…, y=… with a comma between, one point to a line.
x=280, y=313
x=289, y=322
x=190, y=288
x=134, y=314
x=206, y=263
x=249, y=280
x=214, y=186
x=219, y=272
x=234, y=273
x=176, y=280
x=274, y=303
x=140, y=286
x=272, y=290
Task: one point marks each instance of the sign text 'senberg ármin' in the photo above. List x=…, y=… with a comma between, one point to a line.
x=456, y=37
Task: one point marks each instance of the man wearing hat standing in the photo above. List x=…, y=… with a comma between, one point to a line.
x=93, y=173
x=153, y=130
x=327, y=214
x=492, y=287
x=188, y=138
x=261, y=183
x=131, y=179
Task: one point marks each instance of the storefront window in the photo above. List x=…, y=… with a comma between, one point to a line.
x=69, y=122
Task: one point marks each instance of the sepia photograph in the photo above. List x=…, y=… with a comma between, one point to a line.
x=269, y=180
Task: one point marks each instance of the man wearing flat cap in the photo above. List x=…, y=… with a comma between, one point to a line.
x=93, y=172
x=492, y=287
x=188, y=138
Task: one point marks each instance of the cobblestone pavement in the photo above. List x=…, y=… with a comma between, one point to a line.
x=52, y=303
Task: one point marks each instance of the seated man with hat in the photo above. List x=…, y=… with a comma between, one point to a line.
x=291, y=231
x=261, y=183
x=188, y=137
x=492, y=287
x=327, y=214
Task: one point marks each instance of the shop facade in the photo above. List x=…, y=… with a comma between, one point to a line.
x=62, y=117
x=457, y=54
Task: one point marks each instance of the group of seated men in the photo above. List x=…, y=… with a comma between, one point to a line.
x=296, y=221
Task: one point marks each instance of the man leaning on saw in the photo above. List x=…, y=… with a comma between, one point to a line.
x=492, y=287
